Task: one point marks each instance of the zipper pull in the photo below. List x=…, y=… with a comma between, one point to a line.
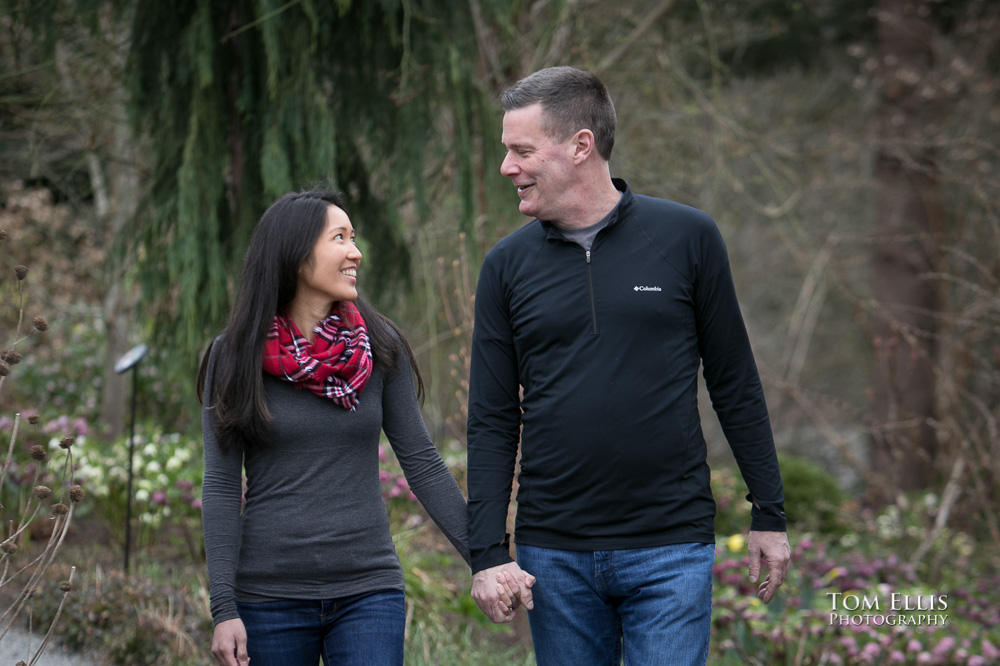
x=588, y=256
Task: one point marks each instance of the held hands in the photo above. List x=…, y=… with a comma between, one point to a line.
x=500, y=590
x=773, y=549
x=229, y=643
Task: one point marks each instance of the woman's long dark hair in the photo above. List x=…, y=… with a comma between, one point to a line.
x=282, y=242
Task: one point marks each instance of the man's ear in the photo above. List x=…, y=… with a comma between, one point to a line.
x=583, y=146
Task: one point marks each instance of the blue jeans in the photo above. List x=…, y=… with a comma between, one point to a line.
x=648, y=605
x=364, y=629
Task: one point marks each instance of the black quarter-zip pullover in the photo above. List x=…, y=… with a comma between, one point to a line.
x=606, y=345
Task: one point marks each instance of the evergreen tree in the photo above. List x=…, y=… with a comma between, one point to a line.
x=247, y=99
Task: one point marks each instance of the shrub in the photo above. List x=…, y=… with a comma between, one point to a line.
x=813, y=499
x=133, y=621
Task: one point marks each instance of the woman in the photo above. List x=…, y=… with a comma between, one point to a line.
x=296, y=391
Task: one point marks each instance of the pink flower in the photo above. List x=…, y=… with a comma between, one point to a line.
x=897, y=657
x=976, y=660
x=196, y=504
x=160, y=497
x=81, y=427
x=184, y=484
x=946, y=645
x=382, y=455
x=990, y=650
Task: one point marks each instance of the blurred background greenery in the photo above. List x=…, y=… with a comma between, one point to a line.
x=848, y=151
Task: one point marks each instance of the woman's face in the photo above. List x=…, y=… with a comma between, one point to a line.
x=331, y=272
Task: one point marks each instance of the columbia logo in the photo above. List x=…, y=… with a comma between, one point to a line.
x=638, y=288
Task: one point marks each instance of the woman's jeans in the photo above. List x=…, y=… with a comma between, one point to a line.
x=650, y=605
x=365, y=629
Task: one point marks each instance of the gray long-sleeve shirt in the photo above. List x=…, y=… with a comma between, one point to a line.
x=314, y=525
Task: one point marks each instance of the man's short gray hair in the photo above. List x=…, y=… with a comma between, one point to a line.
x=572, y=100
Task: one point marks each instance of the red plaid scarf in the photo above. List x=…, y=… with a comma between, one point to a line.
x=336, y=365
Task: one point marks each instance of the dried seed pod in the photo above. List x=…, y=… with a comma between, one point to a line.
x=8, y=547
x=60, y=509
x=43, y=492
x=76, y=494
x=34, y=419
x=38, y=453
x=41, y=323
x=65, y=585
x=3, y=234
x=21, y=271
x=4, y=369
x=11, y=356
x=67, y=441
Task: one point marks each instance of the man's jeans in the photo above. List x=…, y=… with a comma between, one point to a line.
x=365, y=629
x=652, y=605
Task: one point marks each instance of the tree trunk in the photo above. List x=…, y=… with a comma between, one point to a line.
x=119, y=302
x=904, y=445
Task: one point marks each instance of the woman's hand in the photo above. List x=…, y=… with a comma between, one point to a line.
x=229, y=643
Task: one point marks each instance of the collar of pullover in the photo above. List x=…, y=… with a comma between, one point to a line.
x=618, y=212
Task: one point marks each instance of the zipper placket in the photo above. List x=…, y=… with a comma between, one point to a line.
x=593, y=305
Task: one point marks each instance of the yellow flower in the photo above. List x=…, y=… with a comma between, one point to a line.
x=736, y=543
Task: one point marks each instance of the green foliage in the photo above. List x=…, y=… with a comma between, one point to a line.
x=813, y=499
x=244, y=101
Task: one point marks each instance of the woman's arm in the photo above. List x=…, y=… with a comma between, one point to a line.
x=429, y=478
x=221, y=498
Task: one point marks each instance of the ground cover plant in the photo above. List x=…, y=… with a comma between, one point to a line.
x=854, y=594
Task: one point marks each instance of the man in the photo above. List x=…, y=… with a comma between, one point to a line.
x=601, y=310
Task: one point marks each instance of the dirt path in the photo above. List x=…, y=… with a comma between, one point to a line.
x=19, y=645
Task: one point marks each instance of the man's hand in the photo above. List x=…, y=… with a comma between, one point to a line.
x=772, y=547
x=229, y=643
x=500, y=590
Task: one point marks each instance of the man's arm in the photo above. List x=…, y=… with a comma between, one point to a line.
x=499, y=584
x=738, y=399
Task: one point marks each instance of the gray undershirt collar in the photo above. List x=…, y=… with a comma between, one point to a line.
x=584, y=237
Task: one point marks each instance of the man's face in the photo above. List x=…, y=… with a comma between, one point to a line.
x=540, y=167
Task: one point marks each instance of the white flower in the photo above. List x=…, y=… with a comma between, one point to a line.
x=142, y=495
x=149, y=450
x=153, y=467
x=175, y=463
